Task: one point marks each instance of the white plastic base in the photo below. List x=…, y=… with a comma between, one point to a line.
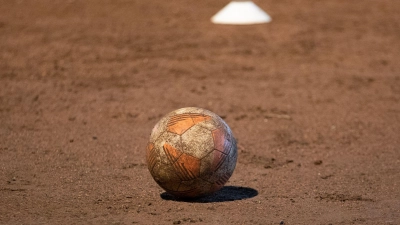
x=241, y=13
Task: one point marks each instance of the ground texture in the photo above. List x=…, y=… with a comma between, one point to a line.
x=313, y=99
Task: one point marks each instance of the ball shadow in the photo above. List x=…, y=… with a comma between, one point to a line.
x=227, y=193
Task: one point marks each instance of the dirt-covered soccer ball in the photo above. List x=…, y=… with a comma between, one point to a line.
x=191, y=153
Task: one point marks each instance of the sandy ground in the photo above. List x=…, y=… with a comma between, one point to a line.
x=312, y=97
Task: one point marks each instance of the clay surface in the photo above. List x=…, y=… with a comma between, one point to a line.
x=313, y=99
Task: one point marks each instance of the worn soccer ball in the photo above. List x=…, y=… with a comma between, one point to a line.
x=191, y=153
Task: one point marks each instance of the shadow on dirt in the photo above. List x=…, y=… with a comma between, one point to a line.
x=227, y=193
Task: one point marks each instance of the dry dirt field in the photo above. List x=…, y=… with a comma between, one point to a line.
x=313, y=99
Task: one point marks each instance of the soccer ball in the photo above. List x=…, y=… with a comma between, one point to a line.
x=191, y=153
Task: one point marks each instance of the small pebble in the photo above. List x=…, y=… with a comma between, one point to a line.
x=317, y=162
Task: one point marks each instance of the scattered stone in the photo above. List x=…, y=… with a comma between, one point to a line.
x=327, y=176
x=317, y=162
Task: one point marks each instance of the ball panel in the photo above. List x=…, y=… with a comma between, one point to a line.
x=233, y=153
x=158, y=129
x=156, y=133
x=192, y=193
x=172, y=140
x=223, y=179
x=178, y=124
x=232, y=159
x=210, y=124
x=172, y=153
x=194, y=188
x=216, y=165
x=219, y=139
x=198, y=118
x=225, y=171
x=191, y=110
x=165, y=176
x=218, y=159
x=197, y=141
x=151, y=156
x=186, y=186
x=206, y=164
x=227, y=129
x=188, y=189
x=186, y=167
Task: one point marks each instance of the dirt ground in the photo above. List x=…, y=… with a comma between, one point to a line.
x=312, y=97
